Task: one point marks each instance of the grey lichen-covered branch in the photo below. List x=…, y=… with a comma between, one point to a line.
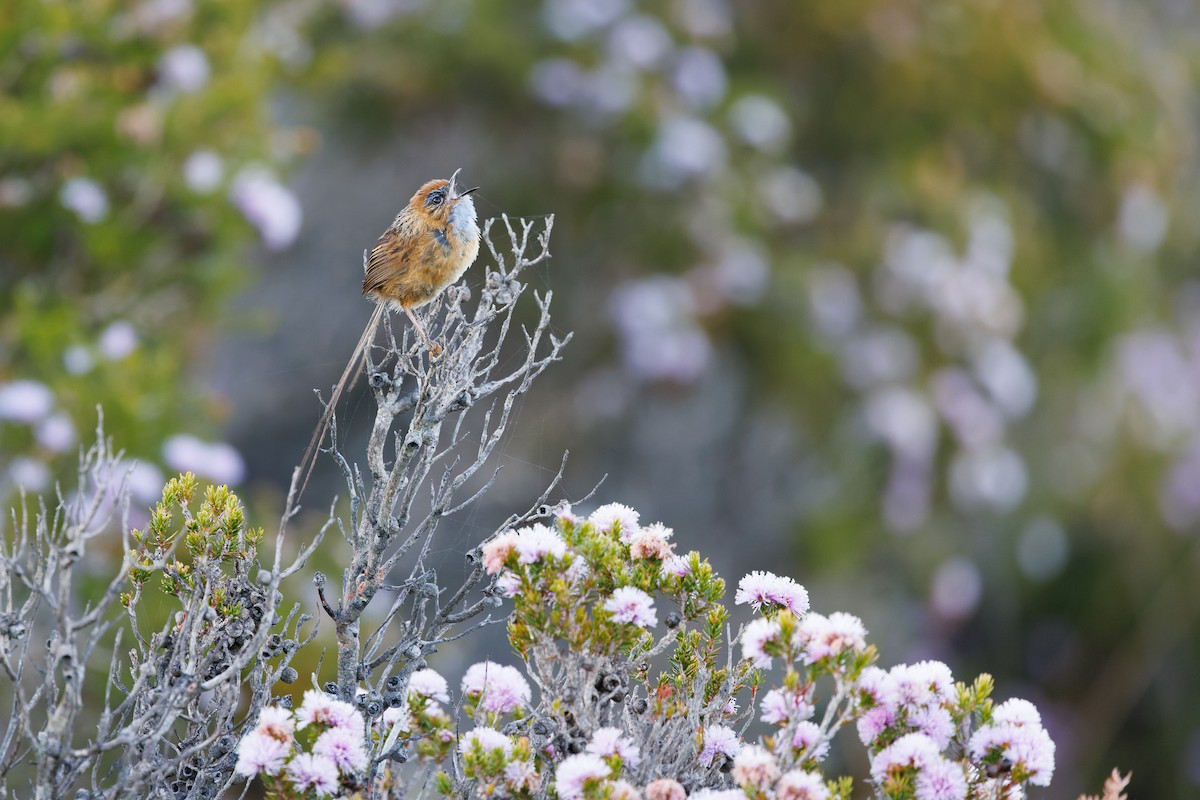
x=170, y=686
x=428, y=457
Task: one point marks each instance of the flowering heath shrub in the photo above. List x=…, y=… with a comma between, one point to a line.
x=641, y=695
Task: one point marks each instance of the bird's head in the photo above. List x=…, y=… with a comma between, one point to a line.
x=437, y=199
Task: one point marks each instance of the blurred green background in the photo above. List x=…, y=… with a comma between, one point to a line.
x=896, y=297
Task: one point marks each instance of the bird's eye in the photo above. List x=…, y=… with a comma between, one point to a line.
x=435, y=198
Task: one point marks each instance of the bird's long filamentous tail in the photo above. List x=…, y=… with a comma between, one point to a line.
x=344, y=384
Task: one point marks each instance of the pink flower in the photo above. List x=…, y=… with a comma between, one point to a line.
x=719, y=739
x=277, y=723
x=608, y=742
x=503, y=689
x=495, y=551
x=755, y=638
x=576, y=771
x=650, y=542
x=615, y=517
x=508, y=583
x=261, y=752
x=800, y=785
x=923, y=683
x=632, y=605
x=318, y=707
x=755, y=768
x=1017, y=712
x=679, y=566
x=488, y=739
x=343, y=747
x=941, y=780
x=808, y=738
x=536, y=542
x=624, y=790
x=563, y=515
x=780, y=705
x=873, y=722
x=718, y=794
x=520, y=775
x=766, y=588
x=934, y=722
x=315, y=772
x=665, y=789
x=911, y=750
x=429, y=683
x=1017, y=734
x=828, y=637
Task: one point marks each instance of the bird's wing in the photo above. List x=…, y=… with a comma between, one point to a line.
x=385, y=262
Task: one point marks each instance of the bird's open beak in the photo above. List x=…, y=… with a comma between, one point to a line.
x=454, y=180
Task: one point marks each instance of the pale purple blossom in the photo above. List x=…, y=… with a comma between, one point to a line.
x=118, y=340
x=699, y=77
x=56, y=433
x=29, y=473
x=719, y=739
x=78, y=360
x=808, y=737
x=649, y=542
x=781, y=705
x=260, y=752
x=615, y=517
x=537, y=541
x=429, y=683
x=203, y=171
x=631, y=605
x=679, y=566
x=911, y=750
x=763, y=588
x=497, y=550
x=920, y=684
x=755, y=767
x=941, y=779
x=318, y=708
x=640, y=40
x=25, y=401
x=607, y=742
x=502, y=689
x=344, y=747
x=1017, y=712
x=665, y=789
x=216, y=461
x=1017, y=733
x=276, y=722
x=184, y=68
x=933, y=721
x=828, y=637
x=873, y=722
x=86, y=198
x=488, y=739
x=717, y=794
x=576, y=771
x=798, y=784
x=520, y=775
x=565, y=516
x=508, y=583
x=761, y=122
x=755, y=637
x=624, y=790
x=319, y=773
x=267, y=205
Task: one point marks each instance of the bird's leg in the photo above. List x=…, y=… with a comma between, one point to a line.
x=435, y=349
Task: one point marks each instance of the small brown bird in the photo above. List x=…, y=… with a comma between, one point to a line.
x=428, y=246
